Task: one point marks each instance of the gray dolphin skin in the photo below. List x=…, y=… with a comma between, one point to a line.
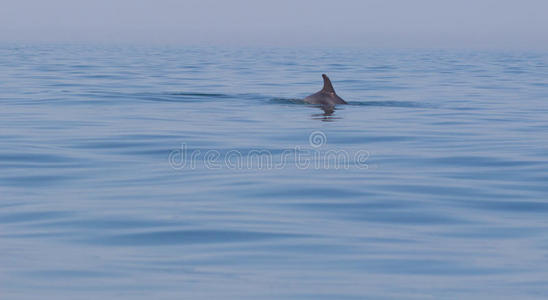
x=326, y=97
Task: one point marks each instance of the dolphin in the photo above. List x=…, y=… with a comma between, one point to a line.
x=326, y=97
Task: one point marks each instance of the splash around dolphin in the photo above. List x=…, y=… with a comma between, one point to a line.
x=326, y=97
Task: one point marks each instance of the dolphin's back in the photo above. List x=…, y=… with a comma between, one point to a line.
x=326, y=96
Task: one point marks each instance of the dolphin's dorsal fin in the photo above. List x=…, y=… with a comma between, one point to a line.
x=327, y=86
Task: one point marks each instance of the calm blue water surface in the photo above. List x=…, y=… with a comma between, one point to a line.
x=196, y=173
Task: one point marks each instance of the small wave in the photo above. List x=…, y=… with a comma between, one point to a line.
x=201, y=97
x=205, y=95
x=355, y=103
x=197, y=96
x=181, y=96
x=187, y=237
x=389, y=104
x=287, y=101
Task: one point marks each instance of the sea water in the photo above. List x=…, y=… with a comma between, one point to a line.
x=149, y=172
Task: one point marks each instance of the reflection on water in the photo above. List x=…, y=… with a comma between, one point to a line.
x=327, y=115
x=449, y=201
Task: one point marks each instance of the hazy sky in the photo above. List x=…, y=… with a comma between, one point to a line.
x=382, y=23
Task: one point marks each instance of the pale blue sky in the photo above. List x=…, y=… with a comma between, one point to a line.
x=377, y=23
